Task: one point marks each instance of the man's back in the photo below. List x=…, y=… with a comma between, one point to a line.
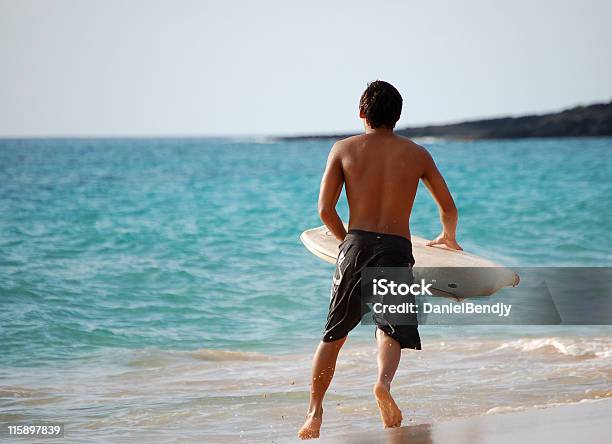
x=381, y=174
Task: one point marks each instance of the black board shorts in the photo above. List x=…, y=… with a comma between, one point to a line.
x=359, y=250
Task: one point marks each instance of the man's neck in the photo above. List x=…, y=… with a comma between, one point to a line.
x=379, y=131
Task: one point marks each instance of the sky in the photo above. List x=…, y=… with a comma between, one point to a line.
x=147, y=68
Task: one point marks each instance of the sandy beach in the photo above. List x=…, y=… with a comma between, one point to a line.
x=586, y=422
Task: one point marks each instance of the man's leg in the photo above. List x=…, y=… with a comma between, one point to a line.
x=389, y=354
x=323, y=366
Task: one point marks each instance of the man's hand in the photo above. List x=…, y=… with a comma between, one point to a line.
x=433, y=180
x=445, y=241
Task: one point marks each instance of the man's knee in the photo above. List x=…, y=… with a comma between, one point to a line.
x=334, y=342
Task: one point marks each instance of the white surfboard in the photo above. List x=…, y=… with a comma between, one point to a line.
x=455, y=274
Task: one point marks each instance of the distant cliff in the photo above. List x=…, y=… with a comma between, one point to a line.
x=581, y=121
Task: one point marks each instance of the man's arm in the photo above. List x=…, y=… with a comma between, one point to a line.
x=433, y=180
x=331, y=187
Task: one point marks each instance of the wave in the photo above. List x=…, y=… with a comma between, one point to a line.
x=208, y=354
x=522, y=408
x=155, y=358
x=579, y=348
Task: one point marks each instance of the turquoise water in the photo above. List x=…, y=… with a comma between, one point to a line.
x=131, y=266
x=186, y=244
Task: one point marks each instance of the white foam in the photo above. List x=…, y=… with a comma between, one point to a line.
x=576, y=347
x=522, y=408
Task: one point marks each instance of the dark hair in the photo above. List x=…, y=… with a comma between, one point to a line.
x=381, y=104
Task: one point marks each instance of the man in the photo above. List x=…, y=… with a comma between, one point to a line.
x=381, y=172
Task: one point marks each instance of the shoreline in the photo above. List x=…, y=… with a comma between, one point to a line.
x=585, y=421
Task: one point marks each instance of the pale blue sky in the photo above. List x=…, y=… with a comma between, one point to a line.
x=281, y=67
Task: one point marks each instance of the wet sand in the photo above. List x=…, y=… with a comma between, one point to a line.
x=586, y=422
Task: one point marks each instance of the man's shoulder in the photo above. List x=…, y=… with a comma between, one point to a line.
x=407, y=142
x=412, y=146
x=350, y=140
x=344, y=145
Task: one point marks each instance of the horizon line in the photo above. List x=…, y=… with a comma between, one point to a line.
x=279, y=135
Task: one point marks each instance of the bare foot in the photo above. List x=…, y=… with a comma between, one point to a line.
x=390, y=413
x=312, y=426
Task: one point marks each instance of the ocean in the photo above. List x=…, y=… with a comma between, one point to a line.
x=157, y=289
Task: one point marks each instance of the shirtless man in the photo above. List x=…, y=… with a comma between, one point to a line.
x=381, y=172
